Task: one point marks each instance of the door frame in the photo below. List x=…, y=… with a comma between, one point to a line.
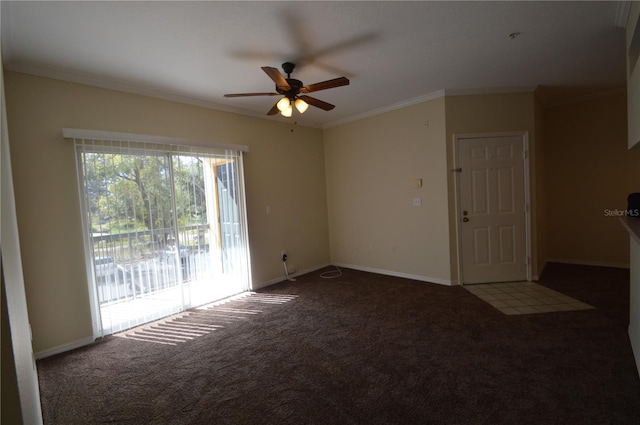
x=524, y=135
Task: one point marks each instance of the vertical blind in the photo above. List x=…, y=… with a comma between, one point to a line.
x=165, y=227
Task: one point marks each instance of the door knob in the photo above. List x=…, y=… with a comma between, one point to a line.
x=465, y=219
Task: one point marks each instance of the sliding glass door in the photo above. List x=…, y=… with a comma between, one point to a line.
x=165, y=228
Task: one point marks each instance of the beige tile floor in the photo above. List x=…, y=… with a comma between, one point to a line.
x=525, y=298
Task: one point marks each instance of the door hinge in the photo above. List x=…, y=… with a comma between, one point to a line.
x=525, y=154
x=457, y=170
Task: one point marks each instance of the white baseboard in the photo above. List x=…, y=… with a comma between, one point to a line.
x=260, y=285
x=360, y=268
x=283, y=278
x=398, y=274
x=65, y=347
x=588, y=263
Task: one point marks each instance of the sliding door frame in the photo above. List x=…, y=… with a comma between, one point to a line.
x=97, y=325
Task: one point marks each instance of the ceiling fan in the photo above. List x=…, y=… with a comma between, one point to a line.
x=291, y=90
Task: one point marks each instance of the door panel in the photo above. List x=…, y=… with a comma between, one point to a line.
x=481, y=245
x=507, y=244
x=505, y=191
x=480, y=182
x=492, y=204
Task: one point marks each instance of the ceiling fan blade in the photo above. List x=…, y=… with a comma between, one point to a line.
x=274, y=110
x=317, y=103
x=329, y=84
x=249, y=94
x=277, y=78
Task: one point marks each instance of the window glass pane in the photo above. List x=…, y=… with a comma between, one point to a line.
x=165, y=229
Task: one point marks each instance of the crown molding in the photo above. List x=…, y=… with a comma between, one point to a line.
x=489, y=90
x=427, y=97
x=138, y=89
x=88, y=79
x=118, y=85
x=405, y=103
x=585, y=98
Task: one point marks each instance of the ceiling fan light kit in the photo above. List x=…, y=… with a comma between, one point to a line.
x=301, y=105
x=284, y=104
x=290, y=89
x=287, y=112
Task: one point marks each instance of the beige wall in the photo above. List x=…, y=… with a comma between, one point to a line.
x=633, y=74
x=343, y=195
x=588, y=171
x=370, y=168
x=492, y=113
x=283, y=170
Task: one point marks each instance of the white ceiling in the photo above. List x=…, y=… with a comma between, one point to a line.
x=394, y=53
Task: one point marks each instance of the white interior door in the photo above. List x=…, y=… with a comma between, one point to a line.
x=492, y=208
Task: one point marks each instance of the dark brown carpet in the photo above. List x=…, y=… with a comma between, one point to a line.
x=366, y=349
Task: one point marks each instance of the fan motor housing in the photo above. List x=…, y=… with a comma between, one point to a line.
x=295, y=85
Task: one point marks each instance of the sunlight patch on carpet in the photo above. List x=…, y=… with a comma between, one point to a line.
x=194, y=323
